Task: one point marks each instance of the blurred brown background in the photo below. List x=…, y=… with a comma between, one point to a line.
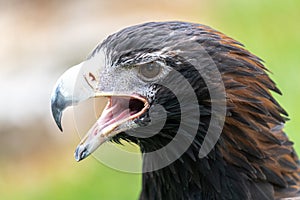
x=40, y=39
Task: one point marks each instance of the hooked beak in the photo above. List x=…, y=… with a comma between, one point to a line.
x=118, y=116
x=70, y=89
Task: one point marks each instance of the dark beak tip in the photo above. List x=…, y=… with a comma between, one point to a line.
x=57, y=119
x=60, y=127
x=57, y=115
x=80, y=153
x=58, y=105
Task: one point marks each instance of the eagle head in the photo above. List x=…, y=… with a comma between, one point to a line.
x=153, y=78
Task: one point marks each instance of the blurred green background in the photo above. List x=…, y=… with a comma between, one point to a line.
x=39, y=39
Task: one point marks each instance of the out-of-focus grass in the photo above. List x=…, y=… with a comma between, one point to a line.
x=86, y=180
x=94, y=182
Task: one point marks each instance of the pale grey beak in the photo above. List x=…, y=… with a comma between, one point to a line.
x=70, y=89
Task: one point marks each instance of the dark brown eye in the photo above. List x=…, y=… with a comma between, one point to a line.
x=149, y=70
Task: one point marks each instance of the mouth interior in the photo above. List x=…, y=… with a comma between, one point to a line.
x=135, y=105
x=118, y=110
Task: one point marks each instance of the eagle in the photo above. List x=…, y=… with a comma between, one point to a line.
x=198, y=105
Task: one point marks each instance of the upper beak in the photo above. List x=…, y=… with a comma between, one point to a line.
x=70, y=89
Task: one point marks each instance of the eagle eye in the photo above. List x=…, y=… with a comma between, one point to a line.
x=149, y=71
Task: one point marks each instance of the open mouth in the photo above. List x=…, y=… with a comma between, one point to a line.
x=118, y=110
x=116, y=117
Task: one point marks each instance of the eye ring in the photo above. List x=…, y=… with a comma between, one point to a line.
x=149, y=71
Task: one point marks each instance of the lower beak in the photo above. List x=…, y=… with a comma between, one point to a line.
x=117, y=116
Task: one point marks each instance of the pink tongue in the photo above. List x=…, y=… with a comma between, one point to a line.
x=115, y=110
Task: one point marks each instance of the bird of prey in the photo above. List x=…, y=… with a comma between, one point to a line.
x=199, y=106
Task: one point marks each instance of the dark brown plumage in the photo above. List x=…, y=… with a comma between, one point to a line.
x=253, y=137
x=253, y=157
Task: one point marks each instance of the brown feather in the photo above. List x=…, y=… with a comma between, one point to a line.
x=253, y=135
